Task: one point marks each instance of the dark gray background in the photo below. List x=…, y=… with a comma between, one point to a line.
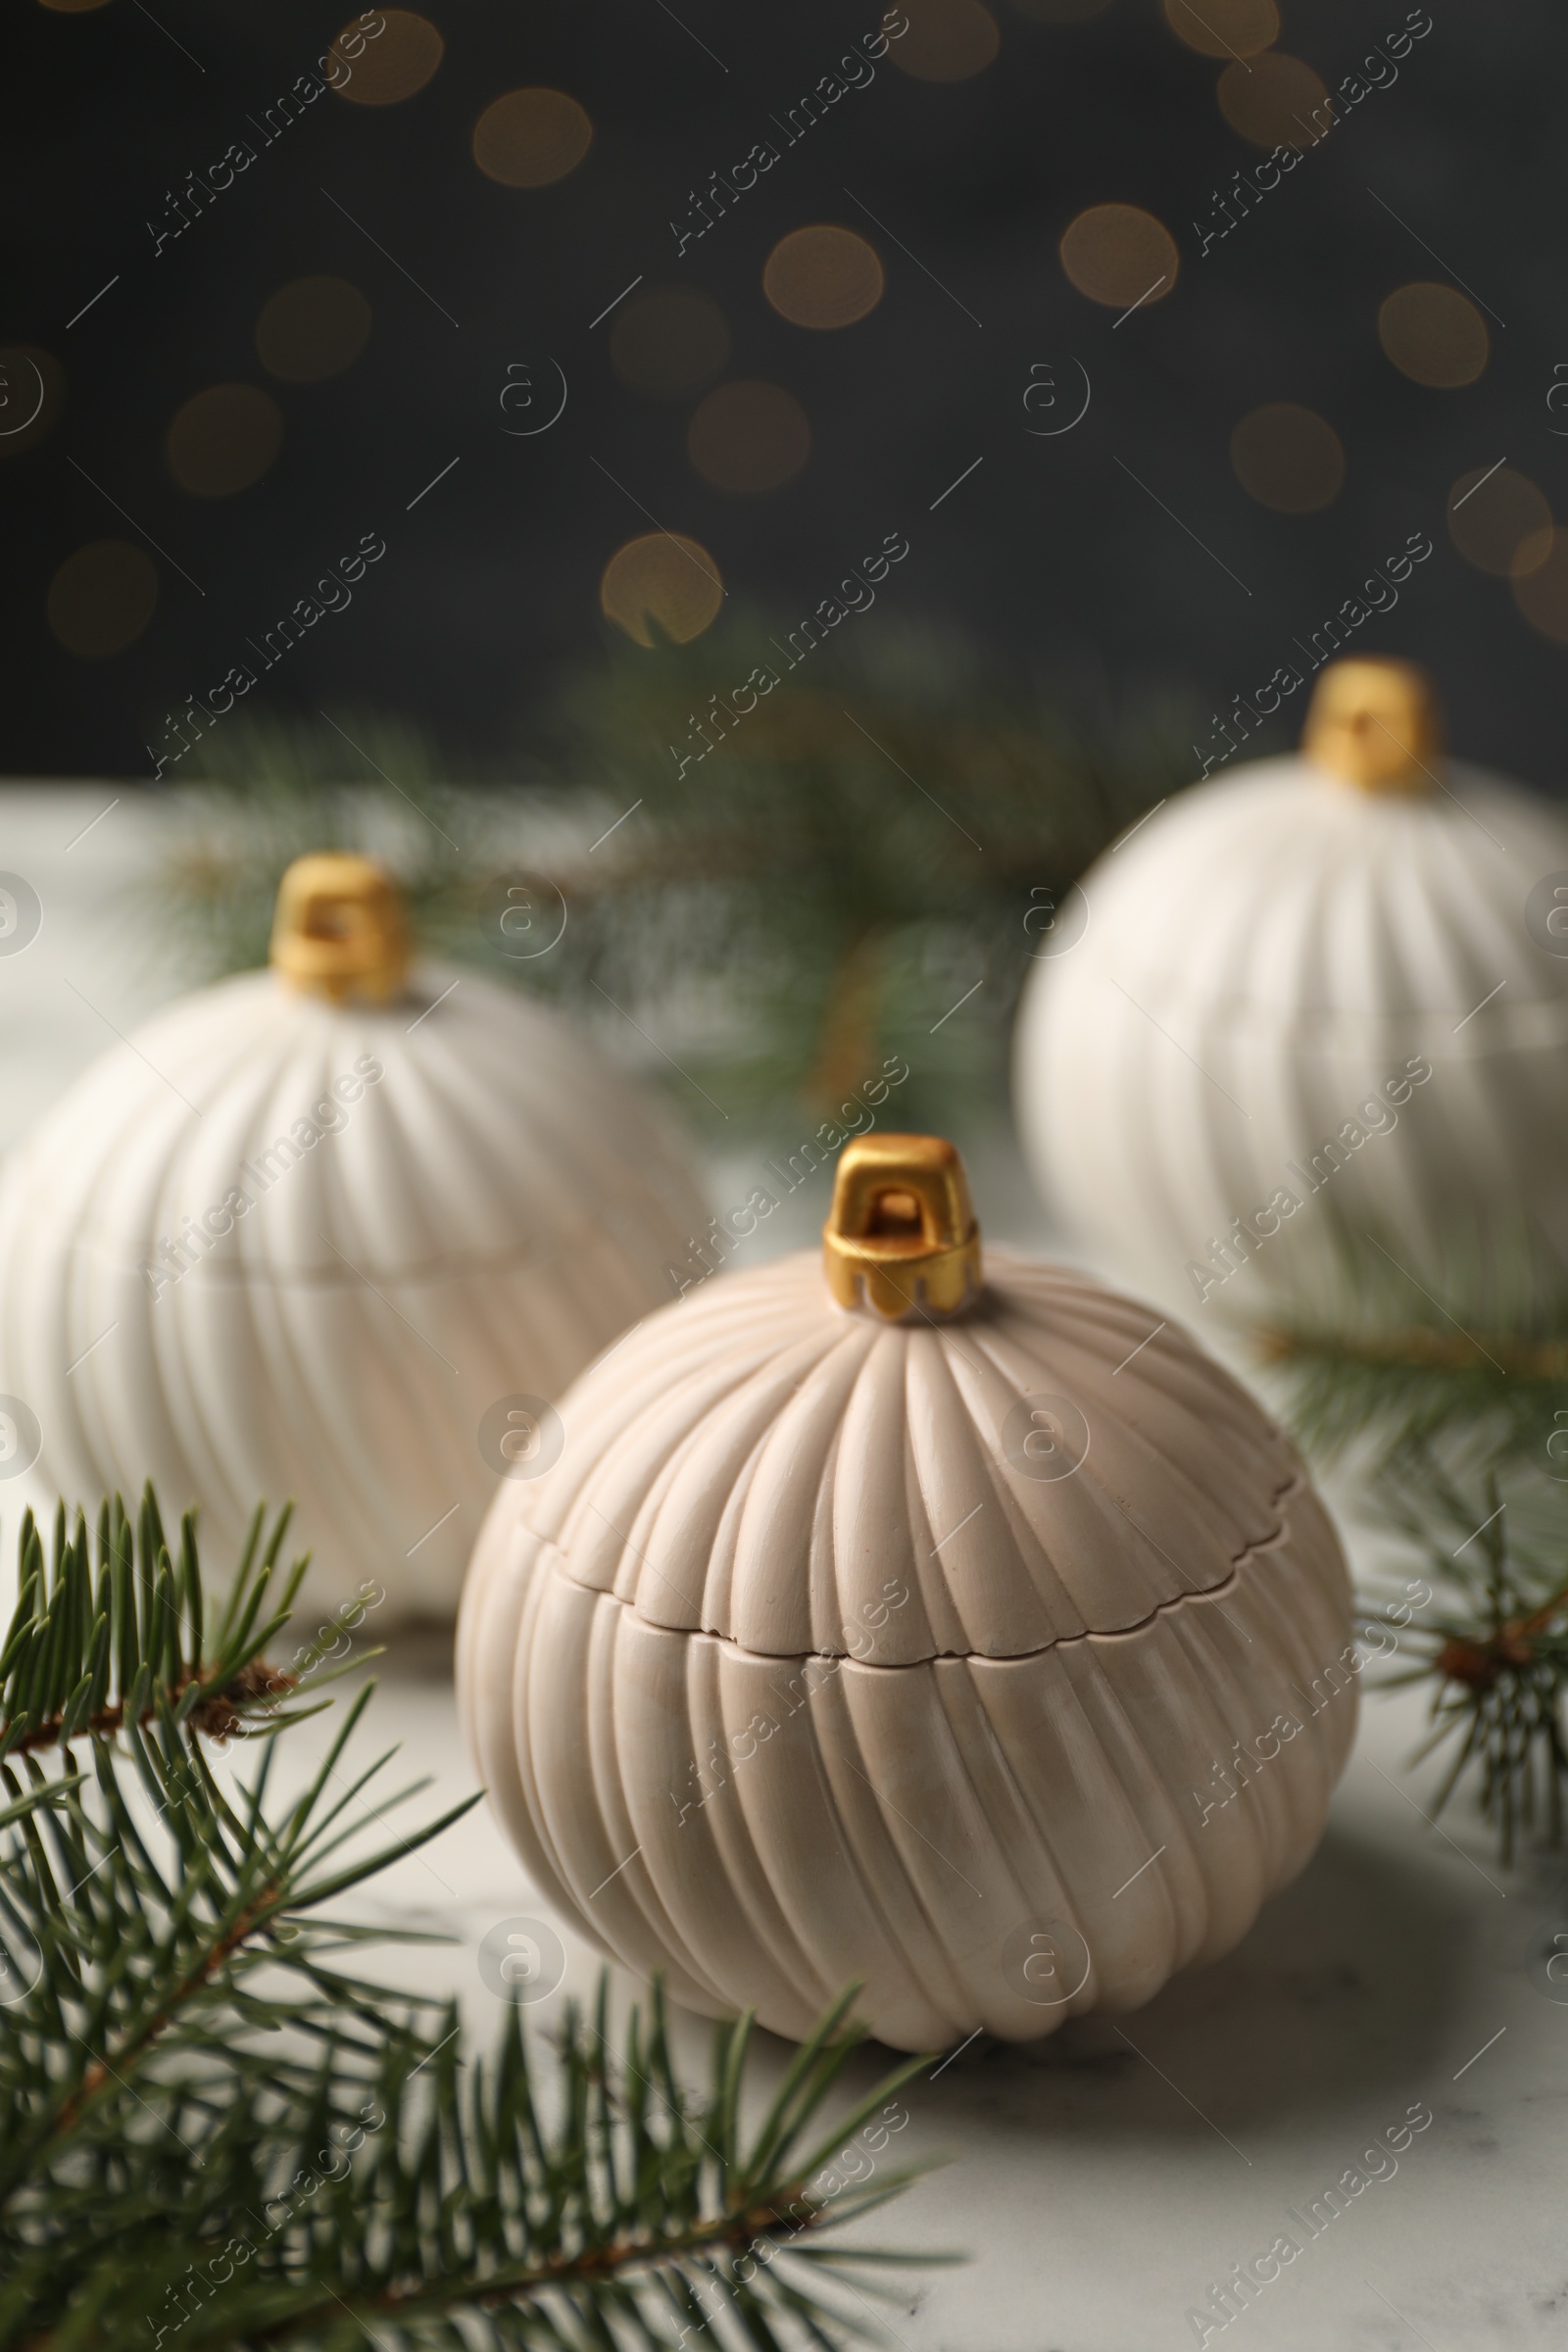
x=1049, y=554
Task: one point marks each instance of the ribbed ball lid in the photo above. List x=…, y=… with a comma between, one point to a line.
x=769, y=1462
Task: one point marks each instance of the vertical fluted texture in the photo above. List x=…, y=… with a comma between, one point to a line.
x=479, y=1220
x=885, y=1788
x=1259, y=960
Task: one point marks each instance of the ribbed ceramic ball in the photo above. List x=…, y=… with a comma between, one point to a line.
x=315, y=1231
x=965, y=1632
x=1309, y=1016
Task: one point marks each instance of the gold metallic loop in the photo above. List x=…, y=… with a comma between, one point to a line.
x=1375, y=722
x=338, y=928
x=901, y=1237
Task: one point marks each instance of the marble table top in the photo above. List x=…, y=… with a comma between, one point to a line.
x=1103, y=2182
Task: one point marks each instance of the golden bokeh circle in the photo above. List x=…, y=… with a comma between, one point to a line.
x=824, y=276
x=71, y=8
x=1224, y=27
x=311, y=329
x=1275, y=100
x=946, y=40
x=33, y=384
x=102, y=598
x=394, y=66
x=1118, y=254
x=531, y=137
x=1288, y=457
x=1501, y=521
x=662, y=585
x=749, y=437
x=1542, y=594
x=1433, y=334
x=223, y=439
x=669, y=342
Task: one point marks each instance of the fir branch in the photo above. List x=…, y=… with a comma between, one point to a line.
x=848, y=857
x=213, y=2136
x=219, y=1713
x=1423, y=1350
x=1466, y=1354
x=1399, y=1387
x=85, y=1655
x=471, y=2200
x=1496, y=1648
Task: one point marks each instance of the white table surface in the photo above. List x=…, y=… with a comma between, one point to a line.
x=1102, y=2180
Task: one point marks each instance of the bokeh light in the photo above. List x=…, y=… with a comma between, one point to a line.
x=1542, y=594
x=311, y=329
x=661, y=582
x=33, y=384
x=1288, y=457
x=223, y=440
x=1118, y=254
x=1224, y=27
x=749, y=437
x=102, y=598
x=1499, y=521
x=1275, y=101
x=531, y=137
x=71, y=8
x=824, y=276
x=669, y=342
x=1433, y=334
x=947, y=40
x=393, y=65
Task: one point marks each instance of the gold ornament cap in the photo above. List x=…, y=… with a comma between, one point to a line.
x=338, y=929
x=1375, y=722
x=901, y=1237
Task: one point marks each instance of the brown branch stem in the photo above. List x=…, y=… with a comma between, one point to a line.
x=1478, y=1664
x=216, y=1716
x=1419, y=1349
x=618, y=2256
x=102, y=2070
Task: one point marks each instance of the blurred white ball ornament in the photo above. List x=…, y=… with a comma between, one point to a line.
x=332, y=1233
x=1306, y=1032
x=976, y=1639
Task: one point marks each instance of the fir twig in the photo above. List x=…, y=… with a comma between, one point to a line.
x=213, y=2136
x=1462, y=1347
x=1496, y=1648
x=794, y=888
x=1389, y=1389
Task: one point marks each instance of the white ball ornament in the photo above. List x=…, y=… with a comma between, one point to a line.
x=335, y=1233
x=959, y=1632
x=1314, y=1018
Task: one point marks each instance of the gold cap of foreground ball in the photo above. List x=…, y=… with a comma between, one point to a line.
x=964, y=1631
x=1376, y=723
x=902, y=1236
x=338, y=929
